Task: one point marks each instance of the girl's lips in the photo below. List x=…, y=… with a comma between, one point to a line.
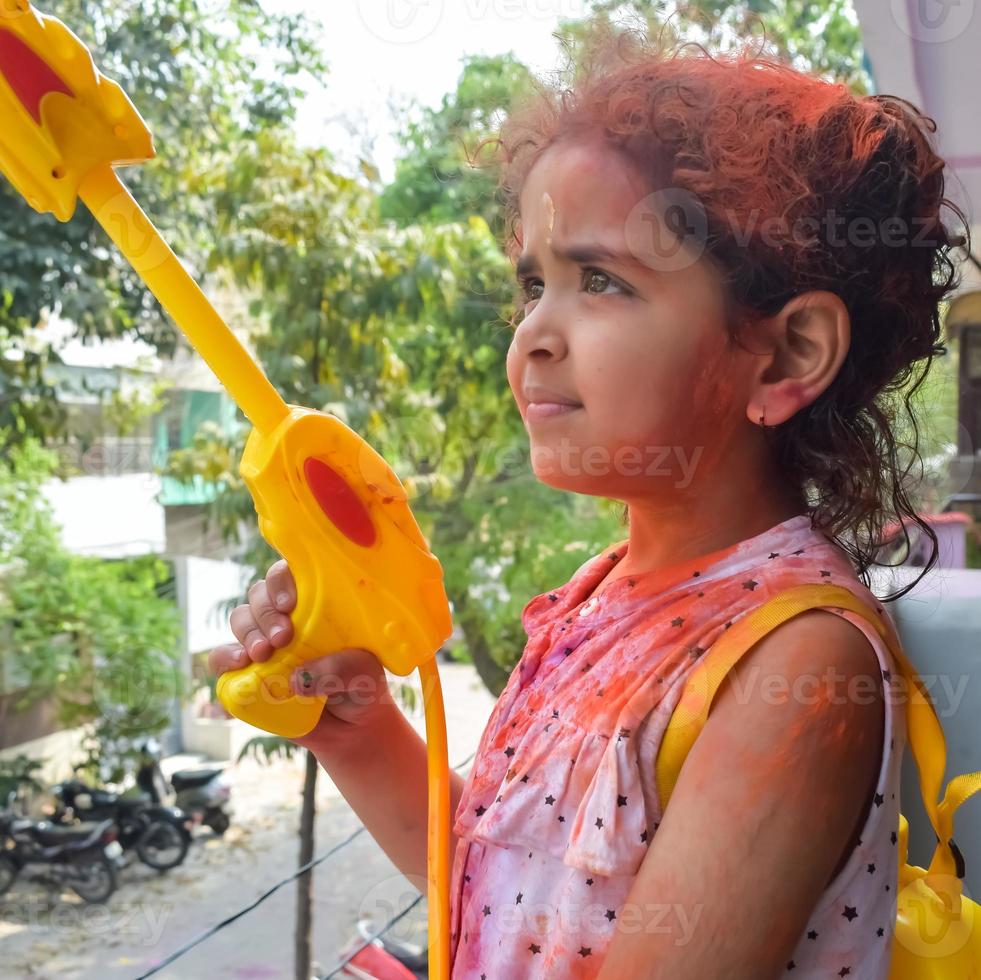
x=544, y=410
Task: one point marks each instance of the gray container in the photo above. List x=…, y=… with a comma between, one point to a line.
x=939, y=623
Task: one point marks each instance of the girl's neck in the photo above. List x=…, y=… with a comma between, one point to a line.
x=665, y=535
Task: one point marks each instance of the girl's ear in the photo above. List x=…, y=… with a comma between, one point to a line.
x=808, y=341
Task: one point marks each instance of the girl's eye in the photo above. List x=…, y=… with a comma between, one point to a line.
x=529, y=285
x=591, y=274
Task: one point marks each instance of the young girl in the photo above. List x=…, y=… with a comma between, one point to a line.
x=726, y=269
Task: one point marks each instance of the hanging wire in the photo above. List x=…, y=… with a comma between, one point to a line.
x=218, y=926
x=208, y=933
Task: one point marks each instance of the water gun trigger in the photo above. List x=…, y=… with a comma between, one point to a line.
x=365, y=577
x=62, y=118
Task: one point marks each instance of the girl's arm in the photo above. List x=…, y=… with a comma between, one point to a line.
x=773, y=792
x=382, y=774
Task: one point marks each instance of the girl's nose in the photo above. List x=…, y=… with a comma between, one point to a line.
x=540, y=333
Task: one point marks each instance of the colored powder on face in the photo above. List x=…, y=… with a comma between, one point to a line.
x=725, y=395
x=550, y=211
x=713, y=410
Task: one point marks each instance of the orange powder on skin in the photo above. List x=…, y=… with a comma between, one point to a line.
x=713, y=413
x=549, y=206
x=780, y=764
x=718, y=408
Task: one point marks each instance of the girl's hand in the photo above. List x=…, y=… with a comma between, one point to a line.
x=353, y=680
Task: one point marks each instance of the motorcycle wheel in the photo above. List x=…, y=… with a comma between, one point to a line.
x=217, y=820
x=162, y=846
x=8, y=873
x=98, y=883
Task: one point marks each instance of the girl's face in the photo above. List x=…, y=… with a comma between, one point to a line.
x=640, y=348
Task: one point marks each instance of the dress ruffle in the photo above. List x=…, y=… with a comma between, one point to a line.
x=560, y=795
x=544, y=781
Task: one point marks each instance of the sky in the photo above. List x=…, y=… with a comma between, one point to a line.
x=388, y=52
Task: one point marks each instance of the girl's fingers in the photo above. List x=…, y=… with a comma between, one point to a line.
x=276, y=626
x=281, y=586
x=247, y=633
x=257, y=646
x=229, y=656
x=242, y=622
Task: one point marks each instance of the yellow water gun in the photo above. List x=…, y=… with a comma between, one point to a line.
x=325, y=500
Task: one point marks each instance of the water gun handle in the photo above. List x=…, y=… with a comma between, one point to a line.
x=365, y=577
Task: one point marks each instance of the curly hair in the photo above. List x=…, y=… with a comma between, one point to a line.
x=767, y=150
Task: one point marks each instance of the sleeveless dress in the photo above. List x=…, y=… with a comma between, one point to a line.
x=560, y=805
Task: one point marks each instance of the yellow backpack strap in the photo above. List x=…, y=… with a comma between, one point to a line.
x=925, y=733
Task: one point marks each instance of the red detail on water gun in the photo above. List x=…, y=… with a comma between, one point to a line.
x=29, y=77
x=339, y=502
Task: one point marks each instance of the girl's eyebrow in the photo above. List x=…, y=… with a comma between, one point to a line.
x=581, y=254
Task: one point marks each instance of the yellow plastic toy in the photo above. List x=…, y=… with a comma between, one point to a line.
x=326, y=501
x=937, y=934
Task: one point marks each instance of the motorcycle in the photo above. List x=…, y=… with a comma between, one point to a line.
x=383, y=957
x=203, y=794
x=160, y=835
x=85, y=857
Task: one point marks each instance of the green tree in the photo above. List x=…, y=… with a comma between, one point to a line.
x=206, y=79
x=93, y=635
x=821, y=37
x=398, y=331
x=435, y=180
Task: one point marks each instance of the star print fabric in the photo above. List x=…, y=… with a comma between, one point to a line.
x=560, y=805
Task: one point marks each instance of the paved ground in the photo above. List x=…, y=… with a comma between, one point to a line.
x=45, y=935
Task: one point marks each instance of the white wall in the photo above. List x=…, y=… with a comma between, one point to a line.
x=208, y=584
x=58, y=751
x=203, y=586
x=109, y=516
